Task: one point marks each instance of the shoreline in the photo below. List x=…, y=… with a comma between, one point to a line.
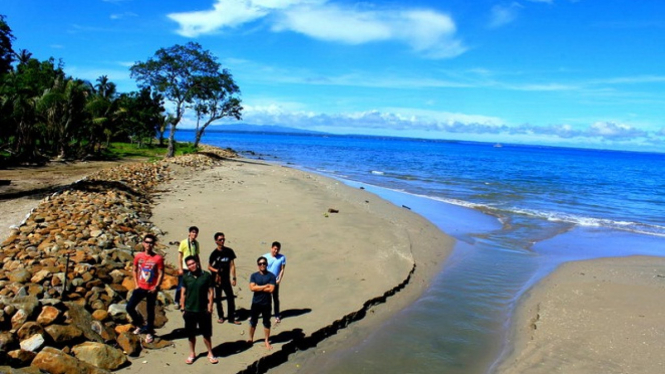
x=601, y=315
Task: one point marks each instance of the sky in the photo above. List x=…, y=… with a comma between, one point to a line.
x=579, y=73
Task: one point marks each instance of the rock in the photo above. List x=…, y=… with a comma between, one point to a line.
x=19, y=318
x=54, y=361
x=8, y=341
x=64, y=334
x=169, y=282
x=39, y=276
x=82, y=319
x=106, y=331
x=48, y=315
x=33, y=343
x=20, y=358
x=158, y=343
x=20, y=276
x=27, y=370
x=129, y=343
x=100, y=315
x=29, y=329
x=100, y=355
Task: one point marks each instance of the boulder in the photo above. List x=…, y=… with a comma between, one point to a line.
x=29, y=329
x=20, y=358
x=33, y=343
x=64, y=334
x=48, y=315
x=8, y=341
x=100, y=355
x=55, y=361
x=129, y=343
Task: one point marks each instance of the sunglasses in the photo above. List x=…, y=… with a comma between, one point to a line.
x=148, y=242
x=262, y=263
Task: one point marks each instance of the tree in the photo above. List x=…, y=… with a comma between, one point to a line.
x=174, y=72
x=6, y=51
x=215, y=98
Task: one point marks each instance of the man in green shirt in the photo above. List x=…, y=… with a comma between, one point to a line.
x=196, y=302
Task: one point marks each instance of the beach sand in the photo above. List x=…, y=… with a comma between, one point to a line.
x=336, y=262
x=598, y=316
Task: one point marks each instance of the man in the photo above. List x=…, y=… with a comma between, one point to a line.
x=148, y=274
x=262, y=283
x=188, y=247
x=276, y=265
x=196, y=303
x=222, y=265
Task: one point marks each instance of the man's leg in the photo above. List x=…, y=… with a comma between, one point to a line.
x=190, y=328
x=151, y=300
x=177, y=292
x=137, y=295
x=275, y=300
x=205, y=324
x=230, y=300
x=218, y=301
x=253, y=320
x=266, y=325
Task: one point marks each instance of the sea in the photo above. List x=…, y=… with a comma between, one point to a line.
x=517, y=212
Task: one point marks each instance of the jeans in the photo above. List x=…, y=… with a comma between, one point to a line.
x=151, y=299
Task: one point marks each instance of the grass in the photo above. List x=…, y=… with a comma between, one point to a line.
x=149, y=151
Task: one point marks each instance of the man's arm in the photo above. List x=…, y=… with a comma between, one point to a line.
x=265, y=288
x=180, y=272
x=182, y=298
x=211, y=296
x=160, y=276
x=281, y=274
x=233, y=273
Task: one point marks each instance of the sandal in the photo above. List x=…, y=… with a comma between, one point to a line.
x=149, y=338
x=190, y=360
x=221, y=320
x=213, y=359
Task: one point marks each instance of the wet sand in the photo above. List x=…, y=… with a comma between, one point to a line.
x=598, y=316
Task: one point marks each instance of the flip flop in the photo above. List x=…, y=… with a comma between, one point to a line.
x=277, y=320
x=149, y=338
x=221, y=320
x=190, y=360
x=213, y=359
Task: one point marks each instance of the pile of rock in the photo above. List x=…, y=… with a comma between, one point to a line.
x=65, y=274
x=206, y=157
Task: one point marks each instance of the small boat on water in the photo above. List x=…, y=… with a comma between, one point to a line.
x=498, y=145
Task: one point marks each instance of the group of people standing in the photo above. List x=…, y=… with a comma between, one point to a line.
x=198, y=290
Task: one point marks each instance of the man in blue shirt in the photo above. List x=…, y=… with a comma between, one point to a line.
x=262, y=283
x=276, y=265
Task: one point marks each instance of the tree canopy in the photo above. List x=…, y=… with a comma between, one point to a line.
x=190, y=77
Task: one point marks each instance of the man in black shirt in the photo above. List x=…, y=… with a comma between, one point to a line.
x=223, y=267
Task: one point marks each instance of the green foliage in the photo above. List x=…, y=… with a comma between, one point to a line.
x=6, y=51
x=189, y=77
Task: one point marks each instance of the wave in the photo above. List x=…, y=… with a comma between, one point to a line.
x=502, y=213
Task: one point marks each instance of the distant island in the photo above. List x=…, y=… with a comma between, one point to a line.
x=244, y=127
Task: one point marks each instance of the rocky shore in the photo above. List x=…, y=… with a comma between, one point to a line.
x=66, y=271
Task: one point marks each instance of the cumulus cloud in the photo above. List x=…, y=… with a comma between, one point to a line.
x=427, y=32
x=446, y=124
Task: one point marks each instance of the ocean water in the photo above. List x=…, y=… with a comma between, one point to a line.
x=517, y=211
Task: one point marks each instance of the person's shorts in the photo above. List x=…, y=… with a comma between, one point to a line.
x=202, y=321
x=258, y=310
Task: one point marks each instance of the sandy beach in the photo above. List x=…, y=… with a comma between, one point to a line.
x=336, y=262
x=599, y=316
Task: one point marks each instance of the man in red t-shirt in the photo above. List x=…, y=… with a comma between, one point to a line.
x=148, y=275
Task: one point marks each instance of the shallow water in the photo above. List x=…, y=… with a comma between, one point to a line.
x=517, y=212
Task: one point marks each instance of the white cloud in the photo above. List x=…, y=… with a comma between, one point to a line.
x=427, y=32
x=501, y=15
x=123, y=15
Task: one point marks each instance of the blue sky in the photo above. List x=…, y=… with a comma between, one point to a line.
x=579, y=73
